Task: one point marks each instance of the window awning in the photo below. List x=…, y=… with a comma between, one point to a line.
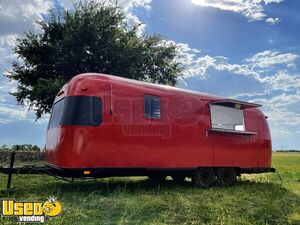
x=234, y=103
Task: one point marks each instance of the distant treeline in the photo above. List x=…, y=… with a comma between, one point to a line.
x=35, y=148
x=24, y=147
x=293, y=150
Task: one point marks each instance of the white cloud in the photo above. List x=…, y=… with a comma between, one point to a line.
x=279, y=102
x=273, y=21
x=269, y=58
x=129, y=4
x=285, y=81
x=16, y=17
x=189, y=58
x=132, y=20
x=7, y=41
x=12, y=113
x=252, y=9
x=283, y=121
x=19, y=16
x=197, y=65
x=6, y=54
x=258, y=67
x=126, y=5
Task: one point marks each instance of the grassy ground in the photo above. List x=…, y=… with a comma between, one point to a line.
x=255, y=199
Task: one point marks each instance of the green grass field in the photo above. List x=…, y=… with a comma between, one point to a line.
x=255, y=199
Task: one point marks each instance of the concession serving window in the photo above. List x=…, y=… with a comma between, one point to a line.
x=228, y=116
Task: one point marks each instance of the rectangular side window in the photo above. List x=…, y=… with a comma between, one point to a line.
x=152, y=106
x=227, y=118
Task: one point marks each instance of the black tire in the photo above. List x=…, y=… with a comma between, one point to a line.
x=157, y=177
x=178, y=178
x=226, y=176
x=204, y=177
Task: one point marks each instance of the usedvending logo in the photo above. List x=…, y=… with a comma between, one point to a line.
x=31, y=211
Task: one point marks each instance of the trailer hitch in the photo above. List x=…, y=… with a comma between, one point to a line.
x=29, y=169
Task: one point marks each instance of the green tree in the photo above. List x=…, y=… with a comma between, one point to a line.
x=22, y=147
x=4, y=148
x=93, y=37
x=35, y=148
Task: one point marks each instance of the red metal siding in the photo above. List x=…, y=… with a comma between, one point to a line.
x=178, y=140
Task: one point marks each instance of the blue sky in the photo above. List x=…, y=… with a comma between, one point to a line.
x=244, y=49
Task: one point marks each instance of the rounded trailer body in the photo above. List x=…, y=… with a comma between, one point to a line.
x=103, y=125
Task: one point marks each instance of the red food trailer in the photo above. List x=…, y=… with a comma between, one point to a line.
x=103, y=125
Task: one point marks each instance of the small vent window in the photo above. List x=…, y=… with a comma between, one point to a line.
x=152, y=106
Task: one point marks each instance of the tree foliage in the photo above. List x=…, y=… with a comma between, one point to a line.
x=93, y=37
x=23, y=147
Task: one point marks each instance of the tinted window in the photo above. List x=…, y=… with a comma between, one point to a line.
x=56, y=114
x=229, y=118
x=82, y=110
x=152, y=106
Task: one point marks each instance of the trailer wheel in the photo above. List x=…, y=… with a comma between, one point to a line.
x=157, y=177
x=204, y=177
x=226, y=176
x=178, y=178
